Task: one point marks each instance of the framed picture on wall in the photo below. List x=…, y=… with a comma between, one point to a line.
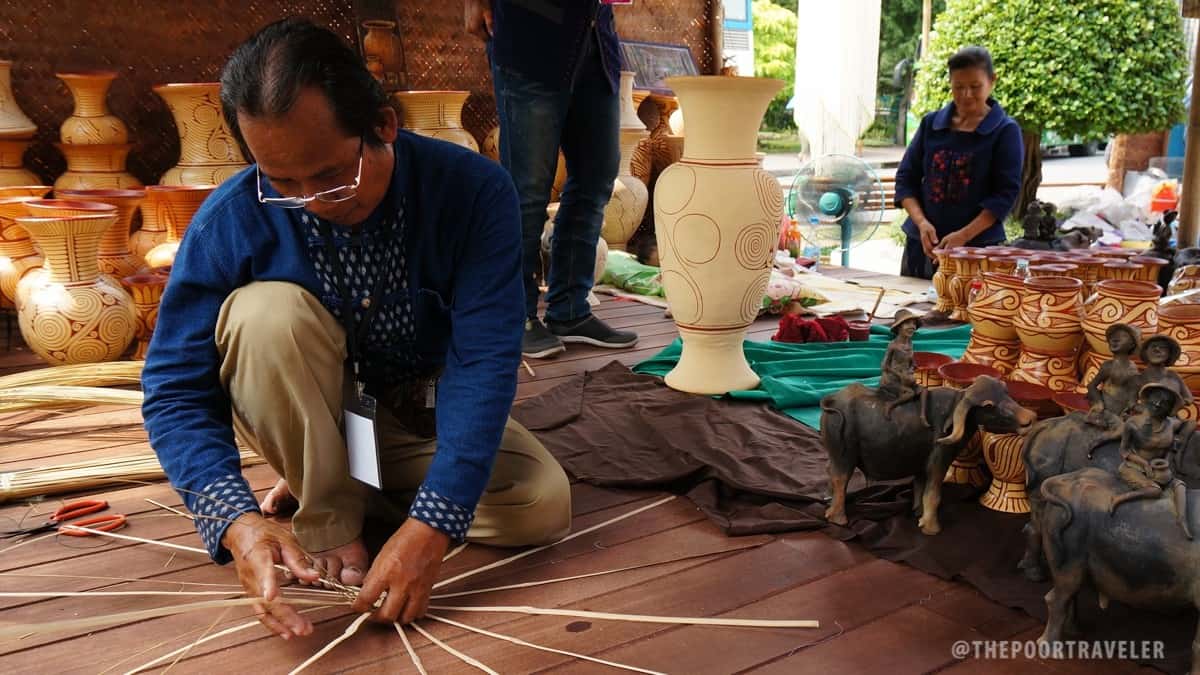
x=653, y=62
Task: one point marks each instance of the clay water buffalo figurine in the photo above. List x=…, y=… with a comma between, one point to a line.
x=1137, y=554
x=858, y=434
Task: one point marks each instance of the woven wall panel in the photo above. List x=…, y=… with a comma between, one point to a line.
x=148, y=42
x=440, y=54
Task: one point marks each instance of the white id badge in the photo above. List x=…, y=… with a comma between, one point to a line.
x=361, y=441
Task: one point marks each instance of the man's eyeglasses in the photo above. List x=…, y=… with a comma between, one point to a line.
x=331, y=196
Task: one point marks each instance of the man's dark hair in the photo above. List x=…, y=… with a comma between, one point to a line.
x=267, y=72
x=972, y=57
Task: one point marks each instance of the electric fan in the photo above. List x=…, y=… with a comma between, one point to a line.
x=837, y=203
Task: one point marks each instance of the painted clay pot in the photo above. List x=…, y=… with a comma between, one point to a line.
x=627, y=205
x=1119, y=301
x=1071, y=401
x=14, y=124
x=208, y=154
x=942, y=279
x=1002, y=264
x=966, y=270
x=490, y=147
x=995, y=306
x=12, y=158
x=173, y=207
x=967, y=467
x=629, y=116
x=1119, y=269
x=1089, y=363
x=437, y=114
x=987, y=351
x=18, y=257
x=75, y=315
x=1006, y=491
x=1186, y=278
x=383, y=45
x=95, y=167
x=1091, y=271
x=91, y=123
x=45, y=208
x=115, y=256
x=1191, y=412
x=1182, y=322
x=717, y=217
x=1050, y=314
x=35, y=191
x=926, y=366
x=1054, y=370
x=146, y=291
x=1058, y=269
x=1150, y=267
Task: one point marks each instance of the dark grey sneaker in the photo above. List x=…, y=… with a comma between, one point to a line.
x=538, y=343
x=592, y=331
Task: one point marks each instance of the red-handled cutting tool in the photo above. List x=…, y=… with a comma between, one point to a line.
x=69, y=512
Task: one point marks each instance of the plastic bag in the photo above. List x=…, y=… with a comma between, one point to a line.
x=626, y=273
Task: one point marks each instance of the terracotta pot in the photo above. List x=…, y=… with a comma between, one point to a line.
x=967, y=468
x=1182, y=322
x=95, y=167
x=491, y=144
x=627, y=206
x=14, y=124
x=46, y=208
x=995, y=306
x=1054, y=370
x=172, y=206
x=1035, y=397
x=75, y=315
x=146, y=291
x=1001, y=355
x=91, y=123
x=1006, y=491
x=437, y=114
x=966, y=269
x=1091, y=271
x=663, y=152
x=18, y=257
x=1058, y=269
x=1001, y=264
x=1089, y=363
x=1191, y=412
x=1071, y=401
x=12, y=158
x=860, y=331
x=926, y=366
x=629, y=116
x=1120, y=269
x=717, y=217
x=1186, y=278
x=1114, y=252
x=1119, y=301
x=1050, y=314
x=1150, y=267
x=35, y=191
x=942, y=281
x=382, y=44
x=115, y=256
x=208, y=154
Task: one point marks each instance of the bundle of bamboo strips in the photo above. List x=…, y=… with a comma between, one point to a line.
x=54, y=396
x=85, y=475
x=81, y=375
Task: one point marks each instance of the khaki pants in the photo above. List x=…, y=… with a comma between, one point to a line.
x=282, y=365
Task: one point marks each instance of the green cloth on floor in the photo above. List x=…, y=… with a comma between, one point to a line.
x=795, y=377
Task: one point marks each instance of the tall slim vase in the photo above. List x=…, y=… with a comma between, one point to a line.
x=716, y=215
x=14, y=123
x=627, y=205
x=12, y=168
x=91, y=123
x=437, y=114
x=18, y=257
x=75, y=315
x=115, y=256
x=208, y=154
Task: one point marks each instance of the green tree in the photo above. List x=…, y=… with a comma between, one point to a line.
x=899, y=35
x=1086, y=68
x=775, y=56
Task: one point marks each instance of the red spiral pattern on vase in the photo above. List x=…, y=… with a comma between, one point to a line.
x=770, y=195
x=999, y=354
x=1056, y=372
x=1006, y=494
x=1120, y=301
x=755, y=245
x=684, y=298
x=752, y=301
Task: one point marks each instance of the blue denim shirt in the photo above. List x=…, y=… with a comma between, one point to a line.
x=955, y=175
x=543, y=40
x=463, y=246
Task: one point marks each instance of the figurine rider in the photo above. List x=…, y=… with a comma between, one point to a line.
x=1114, y=389
x=1159, y=353
x=896, y=380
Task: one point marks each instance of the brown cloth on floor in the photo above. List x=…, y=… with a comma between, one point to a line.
x=753, y=470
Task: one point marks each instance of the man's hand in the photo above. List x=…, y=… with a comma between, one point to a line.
x=477, y=18
x=406, y=568
x=954, y=240
x=929, y=238
x=258, y=545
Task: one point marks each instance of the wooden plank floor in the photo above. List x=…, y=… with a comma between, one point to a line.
x=876, y=616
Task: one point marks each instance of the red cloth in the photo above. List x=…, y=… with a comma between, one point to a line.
x=797, y=328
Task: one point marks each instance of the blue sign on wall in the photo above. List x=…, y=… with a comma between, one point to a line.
x=737, y=15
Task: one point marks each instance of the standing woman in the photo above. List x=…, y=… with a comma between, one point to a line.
x=961, y=174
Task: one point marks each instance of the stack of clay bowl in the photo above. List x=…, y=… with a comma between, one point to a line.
x=1001, y=263
x=1122, y=269
x=1002, y=452
x=1116, y=301
x=1089, y=267
x=994, y=341
x=967, y=469
x=943, y=279
x=1049, y=325
x=968, y=266
x=925, y=368
x=1150, y=264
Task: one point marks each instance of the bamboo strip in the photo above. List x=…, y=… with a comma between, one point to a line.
x=641, y=618
x=457, y=549
x=412, y=653
x=140, y=540
x=208, y=630
x=454, y=652
x=172, y=509
x=79, y=375
x=346, y=635
x=14, y=629
x=543, y=582
x=128, y=579
x=519, y=641
x=46, y=396
x=569, y=537
x=105, y=594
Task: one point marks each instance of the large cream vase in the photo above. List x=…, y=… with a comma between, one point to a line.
x=716, y=214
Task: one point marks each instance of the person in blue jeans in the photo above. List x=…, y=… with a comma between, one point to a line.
x=961, y=174
x=555, y=67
